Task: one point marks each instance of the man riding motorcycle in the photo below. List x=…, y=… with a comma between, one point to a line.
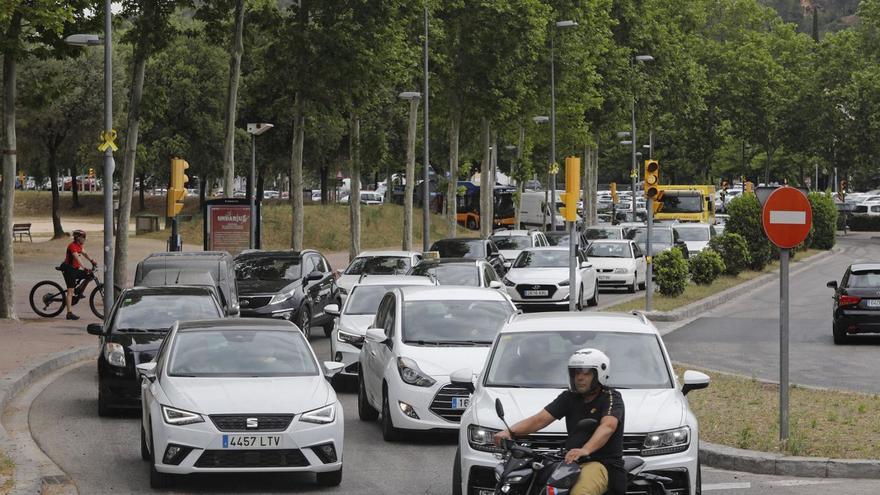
x=588, y=396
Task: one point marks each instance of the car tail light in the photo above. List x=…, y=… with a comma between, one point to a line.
x=849, y=300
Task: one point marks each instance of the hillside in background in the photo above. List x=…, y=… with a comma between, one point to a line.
x=834, y=15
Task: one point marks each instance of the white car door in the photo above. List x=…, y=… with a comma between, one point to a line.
x=587, y=277
x=371, y=373
x=641, y=262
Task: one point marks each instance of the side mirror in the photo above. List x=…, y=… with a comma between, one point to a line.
x=314, y=275
x=499, y=409
x=95, y=329
x=147, y=370
x=494, y=284
x=376, y=335
x=332, y=309
x=831, y=285
x=586, y=264
x=331, y=368
x=694, y=380
x=463, y=378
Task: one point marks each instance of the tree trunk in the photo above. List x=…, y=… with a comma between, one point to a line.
x=594, y=187
x=520, y=182
x=141, y=193
x=57, y=229
x=410, y=174
x=7, y=268
x=296, y=174
x=767, y=166
x=120, y=261
x=203, y=191
x=74, y=188
x=325, y=193
x=586, y=181
x=452, y=186
x=354, y=199
x=490, y=218
x=232, y=100
x=485, y=185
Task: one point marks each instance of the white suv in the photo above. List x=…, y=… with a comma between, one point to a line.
x=420, y=335
x=527, y=370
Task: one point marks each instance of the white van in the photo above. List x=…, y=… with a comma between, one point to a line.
x=533, y=207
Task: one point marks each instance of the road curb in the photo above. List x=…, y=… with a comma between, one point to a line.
x=707, y=303
x=35, y=476
x=752, y=461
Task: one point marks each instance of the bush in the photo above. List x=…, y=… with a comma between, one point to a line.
x=864, y=223
x=745, y=220
x=822, y=234
x=670, y=272
x=706, y=266
x=734, y=252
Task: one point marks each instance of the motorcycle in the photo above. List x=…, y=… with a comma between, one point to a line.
x=526, y=471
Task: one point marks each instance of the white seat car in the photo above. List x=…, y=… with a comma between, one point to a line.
x=357, y=314
x=618, y=263
x=469, y=272
x=526, y=370
x=375, y=263
x=239, y=396
x=512, y=242
x=421, y=335
x=696, y=236
x=539, y=277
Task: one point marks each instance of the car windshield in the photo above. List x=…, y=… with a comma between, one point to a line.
x=450, y=273
x=241, y=353
x=365, y=299
x=693, y=233
x=268, y=268
x=378, y=265
x=539, y=359
x=660, y=236
x=864, y=279
x=460, y=248
x=512, y=241
x=453, y=322
x=602, y=234
x=140, y=312
x=681, y=203
x=555, y=258
x=558, y=240
x=609, y=250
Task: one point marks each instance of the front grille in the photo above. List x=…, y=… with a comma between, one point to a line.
x=251, y=458
x=442, y=403
x=632, y=443
x=522, y=288
x=605, y=270
x=481, y=477
x=680, y=482
x=238, y=422
x=254, y=302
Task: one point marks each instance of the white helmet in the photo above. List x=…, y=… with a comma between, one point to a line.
x=589, y=359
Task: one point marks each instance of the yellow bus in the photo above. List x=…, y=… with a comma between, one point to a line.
x=685, y=203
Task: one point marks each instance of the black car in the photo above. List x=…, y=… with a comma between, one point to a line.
x=167, y=268
x=856, y=301
x=469, y=247
x=138, y=322
x=459, y=271
x=663, y=237
x=290, y=285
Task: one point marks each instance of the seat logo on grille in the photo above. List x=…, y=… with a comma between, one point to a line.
x=253, y=423
x=536, y=286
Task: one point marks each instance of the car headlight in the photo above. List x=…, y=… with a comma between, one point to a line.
x=320, y=416
x=508, y=282
x=179, y=417
x=564, y=283
x=667, y=441
x=621, y=270
x=277, y=298
x=114, y=354
x=483, y=439
x=411, y=374
x=350, y=338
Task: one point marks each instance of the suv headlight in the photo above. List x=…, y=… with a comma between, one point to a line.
x=179, y=417
x=563, y=283
x=320, y=416
x=283, y=296
x=483, y=439
x=508, y=282
x=350, y=338
x=411, y=374
x=667, y=441
x=114, y=354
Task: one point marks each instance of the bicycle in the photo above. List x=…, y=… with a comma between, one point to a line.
x=47, y=297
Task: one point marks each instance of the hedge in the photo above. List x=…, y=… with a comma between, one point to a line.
x=733, y=250
x=745, y=220
x=670, y=272
x=824, y=229
x=705, y=266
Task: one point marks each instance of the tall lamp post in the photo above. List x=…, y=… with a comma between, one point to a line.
x=255, y=130
x=633, y=138
x=426, y=194
x=559, y=25
x=107, y=145
x=543, y=119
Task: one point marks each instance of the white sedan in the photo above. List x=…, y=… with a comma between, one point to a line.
x=421, y=335
x=512, y=242
x=619, y=263
x=239, y=396
x=375, y=263
x=539, y=277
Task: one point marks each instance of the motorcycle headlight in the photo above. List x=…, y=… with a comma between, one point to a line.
x=114, y=354
x=283, y=296
x=321, y=416
x=621, y=270
x=480, y=438
x=179, y=417
x=508, y=282
x=411, y=374
x=667, y=441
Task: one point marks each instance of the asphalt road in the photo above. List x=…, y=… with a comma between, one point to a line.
x=743, y=336
x=102, y=455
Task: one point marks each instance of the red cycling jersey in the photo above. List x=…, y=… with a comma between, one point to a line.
x=69, y=258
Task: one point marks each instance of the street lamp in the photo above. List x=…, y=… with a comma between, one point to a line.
x=559, y=25
x=255, y=130
x=413, y=97
x=107, y=145
x=426, y=194
x=633, y=135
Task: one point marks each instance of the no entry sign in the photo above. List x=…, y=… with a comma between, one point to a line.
x=787, y=217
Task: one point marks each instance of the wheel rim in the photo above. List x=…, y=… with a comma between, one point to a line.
x=305, y=322
x=97, y=302
x=51, y=296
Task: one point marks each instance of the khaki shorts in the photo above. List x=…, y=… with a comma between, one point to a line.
x=592, y=481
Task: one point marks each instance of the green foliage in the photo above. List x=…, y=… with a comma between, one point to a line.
x=706, y=266
x=864, y=223
x=734, y=252
x=745, y=220
x=822, y=234
x=670, y=272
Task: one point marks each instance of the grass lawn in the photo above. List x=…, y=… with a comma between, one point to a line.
x=694, y=292
x=6, y=470
x=743, y=413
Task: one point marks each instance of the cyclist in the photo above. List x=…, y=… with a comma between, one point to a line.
x=72, y=268
x=588, y=396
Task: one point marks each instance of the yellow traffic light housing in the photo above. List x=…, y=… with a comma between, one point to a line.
x=614, y=198
x=652, y=179
x=572, y=188
x=750, y=186
x=177, y=191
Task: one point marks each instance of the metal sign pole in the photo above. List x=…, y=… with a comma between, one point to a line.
x=572, y=266
x=649, y=268
x=783, y=344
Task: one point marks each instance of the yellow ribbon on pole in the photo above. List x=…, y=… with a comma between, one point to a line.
x=107, y=138
x=554, y=168
x=634, y=174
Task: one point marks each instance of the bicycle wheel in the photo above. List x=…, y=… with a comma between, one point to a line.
x=47, y=299
x=96, y=301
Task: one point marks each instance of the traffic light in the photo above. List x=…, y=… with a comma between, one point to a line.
x=177, y=191
x=614, y=198
x=572, y=188
x=749, y=186
x=652, y=179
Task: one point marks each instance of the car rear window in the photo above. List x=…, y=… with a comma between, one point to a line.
x=864, y=279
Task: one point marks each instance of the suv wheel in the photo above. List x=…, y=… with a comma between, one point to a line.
x=389, y=432
x=304, y=321
x=365, y=410
x=594, y=301
x=456, y=473
x=840, y=336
